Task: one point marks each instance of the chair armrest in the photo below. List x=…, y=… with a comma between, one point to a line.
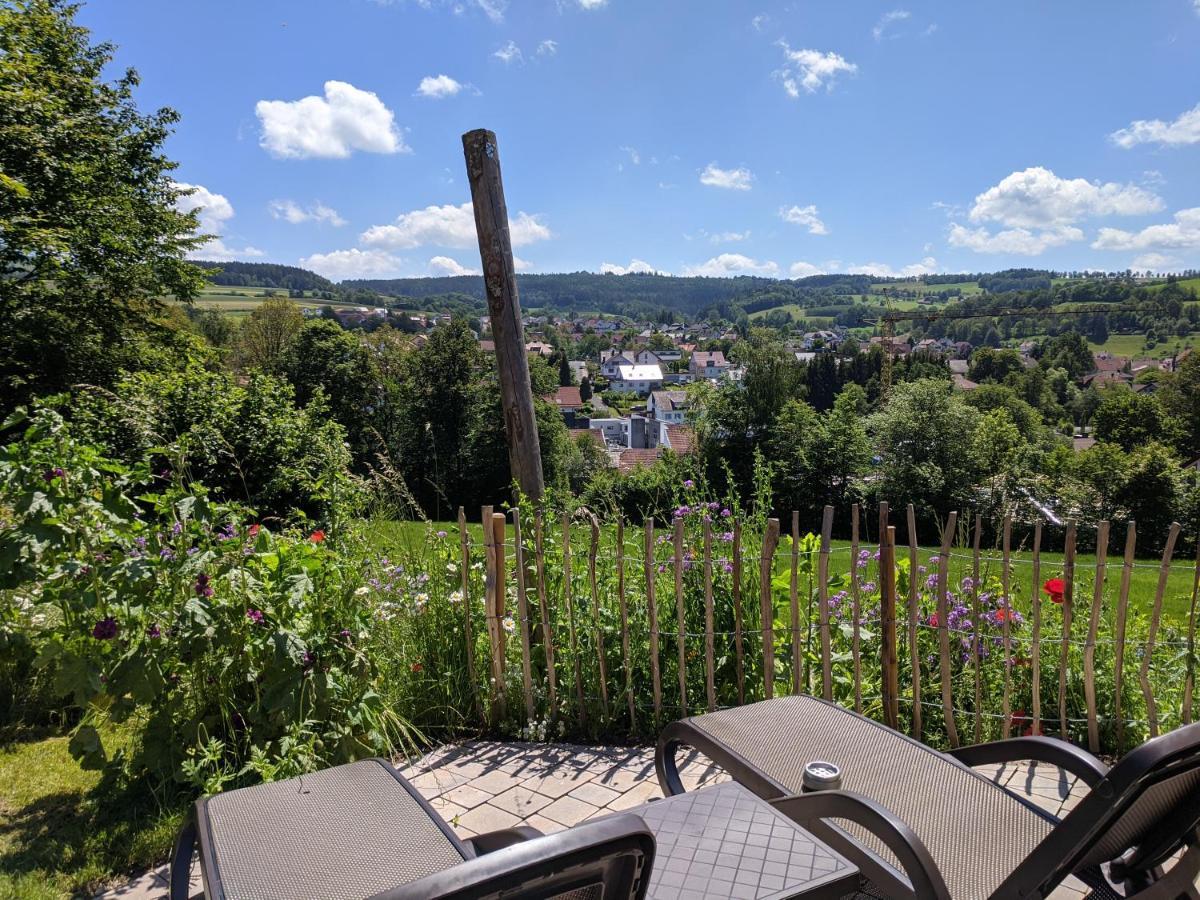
x=617, y=852
x=1050, y=750
x=505, y=837
x=923, y=873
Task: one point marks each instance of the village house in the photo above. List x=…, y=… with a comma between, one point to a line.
x=708, y=364
x=640, y=380
x=611, y=362
x=668, y=406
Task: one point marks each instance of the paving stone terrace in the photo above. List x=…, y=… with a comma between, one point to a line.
x=481, y=786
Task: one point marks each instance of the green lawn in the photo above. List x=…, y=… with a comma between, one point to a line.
x=967, y=287
x=63, y=832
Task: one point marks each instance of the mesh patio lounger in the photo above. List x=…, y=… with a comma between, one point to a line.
x=922, y=823
x=361, y=830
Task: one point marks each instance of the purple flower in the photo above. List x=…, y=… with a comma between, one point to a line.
x=153, y=632
x=51, y=474
x=308, y=659
x=441, y=534
x=725, y=513
x=255, y=616
x=228, y=532
x=689, y=484
x=166, y=553
x=345, y=633
x=141, y=542
x=105, y=629
x=203, y=587
x=177, y=528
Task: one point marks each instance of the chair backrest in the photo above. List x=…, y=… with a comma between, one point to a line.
x=1144, y=810
x=608, y=859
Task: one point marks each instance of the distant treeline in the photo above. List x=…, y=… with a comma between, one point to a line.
x=266, y=275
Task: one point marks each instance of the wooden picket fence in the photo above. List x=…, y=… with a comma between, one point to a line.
x=541, y=637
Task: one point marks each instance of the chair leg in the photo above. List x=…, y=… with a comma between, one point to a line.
x=181, y=860
x=1177, y=882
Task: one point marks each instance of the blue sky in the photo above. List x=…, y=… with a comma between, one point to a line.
x=685, y=136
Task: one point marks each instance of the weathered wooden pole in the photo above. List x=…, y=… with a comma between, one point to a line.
x=504, y=308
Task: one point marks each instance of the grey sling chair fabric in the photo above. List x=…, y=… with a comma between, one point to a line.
x=923, y=823
x=361, y=830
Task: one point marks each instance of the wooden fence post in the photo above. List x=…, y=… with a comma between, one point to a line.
x=1189, y=682
x=1119, y=632
x=622, y=600
x=524, y=623
x=1164, y=573
x=1089, y=649
x=1006, y=625
x=1067, y=611
x=798, y=657
x=914, y=650
x=569, y=603
x=738, y=623
x=593, y=549
x=652, y=613
x=1036, y=647
x=709, y=673
x=766, y=607
x=890, y=680
x=943, y=605
x=976, y=619
x=544, y=610
x=681, y=620
x=493, y=591
x=504, y=308
x=823, y=600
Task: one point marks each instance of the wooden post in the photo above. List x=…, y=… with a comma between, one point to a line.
x=621, y=599
x=797, y=655
x=1067, y=611
x=1119, y=632
x=465, y=565
x=547, y=628
x=504, y=308
x=1036, y=647
x=766, y=608
x=738, y=645
x=890, y=682
x=1006, y=626
x=914, y=650
x=976, y=619
x=709, y=673
x=499, y=524
x=524, y=622
x=823, y=601
x=493, y=590
x=1089, y=649
x=943, y=605
x=1189, y=682
x=652, y=613
x=1164, y=573
x=593, y=549
x=681, y=620
x=569, y=603
x=856, y=609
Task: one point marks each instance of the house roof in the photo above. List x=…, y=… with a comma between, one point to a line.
x=1083, y=442
x=566, y=398
x=959, y=366
x=704, y=357
x=629, y=459
x=594, y=433
x=682, y=438
x=669, y=400
x=963, y=383
x=487, y=346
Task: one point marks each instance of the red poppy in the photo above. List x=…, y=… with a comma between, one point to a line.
x=317, y=536
x=933, y=620
x=1001, y=615
x=417, y=667
x=1054, y=588
x=253, y=530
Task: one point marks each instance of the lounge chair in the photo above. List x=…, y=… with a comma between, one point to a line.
x=361, y=830
x=922, y=823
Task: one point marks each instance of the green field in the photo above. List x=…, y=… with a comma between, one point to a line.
x=967, y=287
x=1187, y=284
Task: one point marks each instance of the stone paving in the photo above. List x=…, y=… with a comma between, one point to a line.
x=480, y=786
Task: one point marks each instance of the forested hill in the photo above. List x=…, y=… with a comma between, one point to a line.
x=266, y=275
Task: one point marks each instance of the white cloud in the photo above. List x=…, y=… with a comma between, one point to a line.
x=1184, y=130
x=493, y=9
x=521, y=265
x=444, y=265
x=1037, y=198
x=804, y=270
x=1182, y=234
x=806, y=216
x=592, y=4
x=732, y=179
x=1156, y=262
x=330, y=127
x=1018, y=241
x=213, y=211
x=634, y=156
x=729, y=264
x=729, y=237
x=439, y=86
x=636, y=266
x=354, y=263
x=448, y=226
x=926, y=266
x=509, y=53
x=760, y=21
x=292, y=212
x=547, y=48
x=887, y=19
x=811, y=69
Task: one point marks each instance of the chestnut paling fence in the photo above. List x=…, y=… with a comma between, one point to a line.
x=613, y=630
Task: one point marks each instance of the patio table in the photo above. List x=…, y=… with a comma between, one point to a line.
x=723, y=842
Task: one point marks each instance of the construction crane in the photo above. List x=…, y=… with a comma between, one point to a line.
x=887, y=324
